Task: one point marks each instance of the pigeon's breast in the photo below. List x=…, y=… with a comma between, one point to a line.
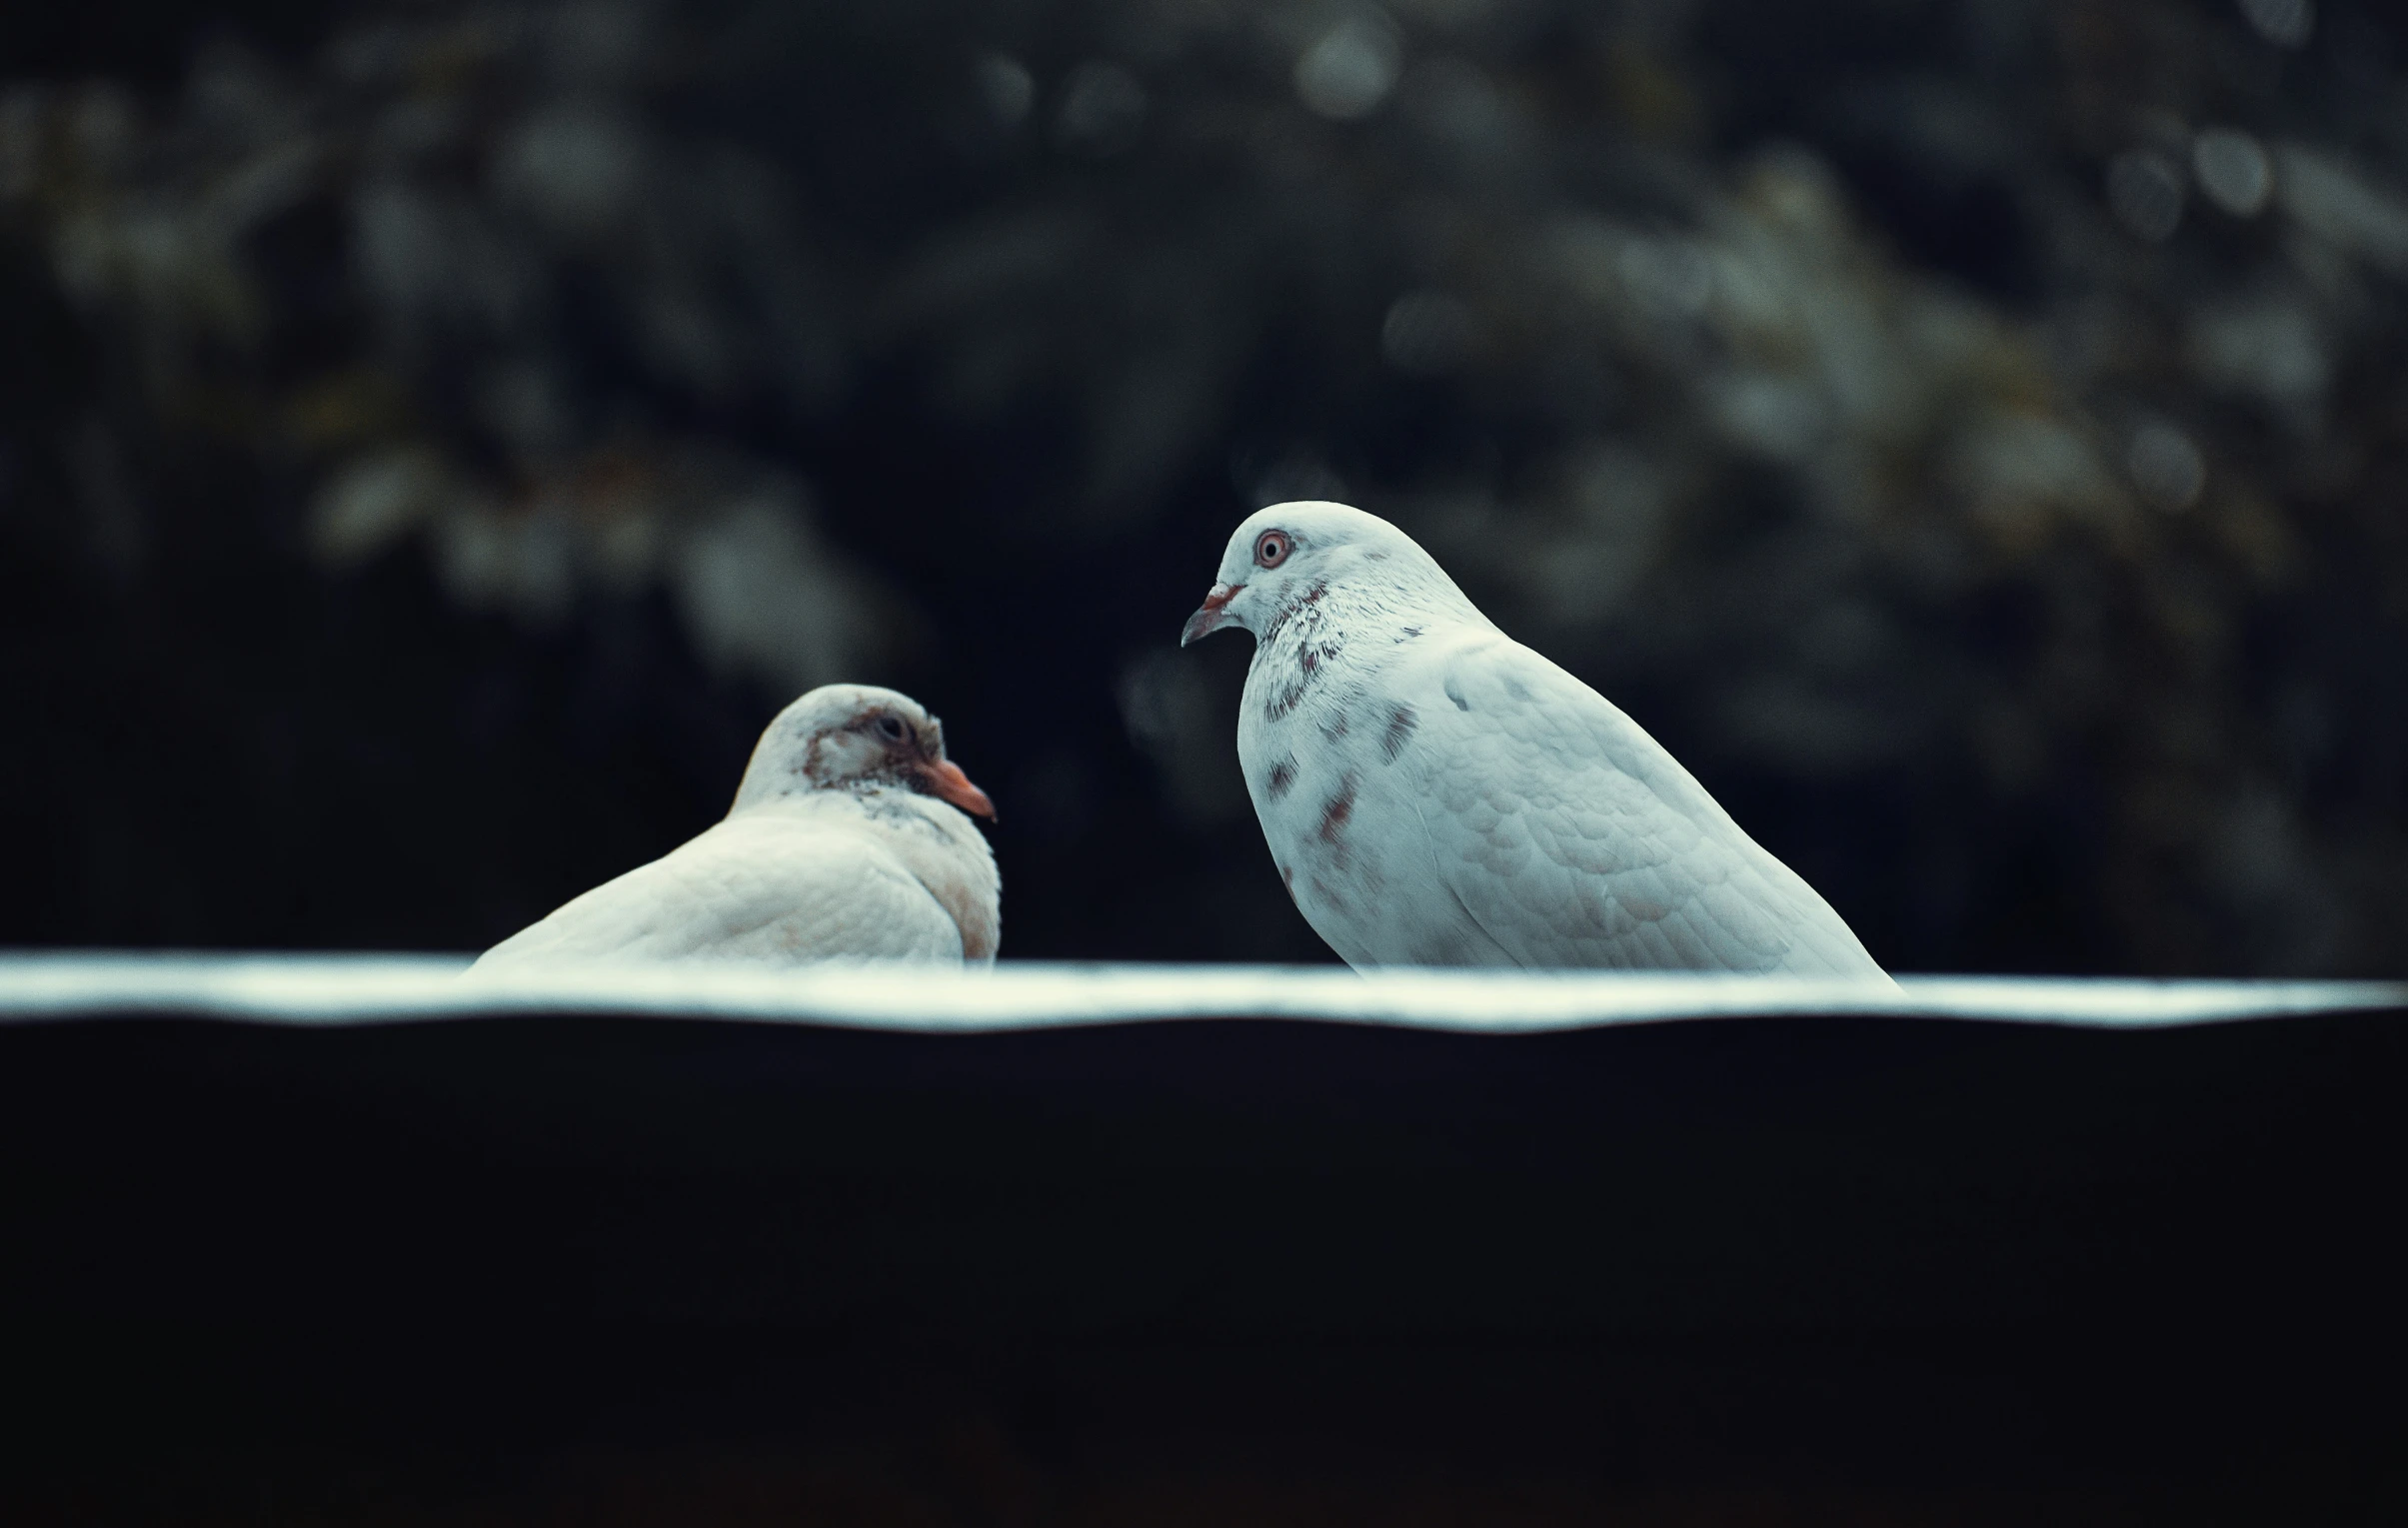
x=946, y=854
x=1330, y=765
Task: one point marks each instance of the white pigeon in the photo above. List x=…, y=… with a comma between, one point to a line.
x=844, y=841
x=1436, y=794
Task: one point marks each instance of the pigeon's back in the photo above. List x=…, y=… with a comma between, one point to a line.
x=1473, y=803
x=769, y=886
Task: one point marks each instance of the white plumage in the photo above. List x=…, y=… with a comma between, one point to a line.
x=844, y=841
x=1436, y=794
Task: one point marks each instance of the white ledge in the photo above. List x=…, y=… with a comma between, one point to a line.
x=362, y=989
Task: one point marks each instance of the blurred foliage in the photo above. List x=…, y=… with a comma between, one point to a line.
x=1968, y=432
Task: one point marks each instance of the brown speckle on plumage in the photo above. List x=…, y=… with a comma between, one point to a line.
x=1336, y=813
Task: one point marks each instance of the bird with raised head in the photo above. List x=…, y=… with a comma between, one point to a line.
x=847, y=840
x=1435, y=794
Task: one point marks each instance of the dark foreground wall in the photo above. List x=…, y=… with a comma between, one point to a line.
x=1776, y=1270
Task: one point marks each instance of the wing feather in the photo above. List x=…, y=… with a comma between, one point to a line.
x=1572, y=839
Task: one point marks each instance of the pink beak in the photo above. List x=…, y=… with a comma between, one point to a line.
x=1212, y=616
x=947, y=782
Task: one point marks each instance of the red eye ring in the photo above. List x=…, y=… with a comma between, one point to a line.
x=1271, y=548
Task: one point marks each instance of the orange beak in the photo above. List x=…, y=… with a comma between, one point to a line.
x=947, y=782
x=1209, y=618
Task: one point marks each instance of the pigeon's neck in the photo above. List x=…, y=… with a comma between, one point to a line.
x=1365, y=612
x=1349, y=624
x=882, y=801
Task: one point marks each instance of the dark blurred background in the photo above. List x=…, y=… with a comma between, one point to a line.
x=1971, y=434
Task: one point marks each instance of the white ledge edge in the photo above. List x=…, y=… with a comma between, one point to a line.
x=318, y=990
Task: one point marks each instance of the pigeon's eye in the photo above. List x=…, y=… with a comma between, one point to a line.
x=1270, y=549
x=889, y=729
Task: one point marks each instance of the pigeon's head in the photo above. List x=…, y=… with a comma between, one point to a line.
x=855, y=738
x=1289, y=554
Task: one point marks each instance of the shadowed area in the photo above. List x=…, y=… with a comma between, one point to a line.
x=530, y=1269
